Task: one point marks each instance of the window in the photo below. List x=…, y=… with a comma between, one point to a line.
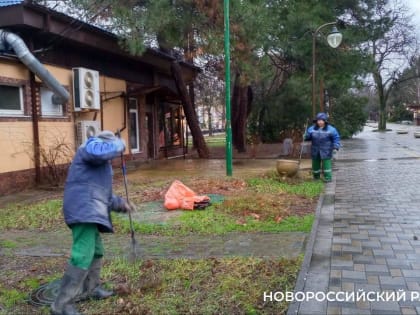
x=48, y=108
x=11, y=100
x=134, y=126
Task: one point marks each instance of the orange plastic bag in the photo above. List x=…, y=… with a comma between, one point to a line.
x=180, y=196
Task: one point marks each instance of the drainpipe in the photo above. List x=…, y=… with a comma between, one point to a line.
x=61, y=95
x=35, y=129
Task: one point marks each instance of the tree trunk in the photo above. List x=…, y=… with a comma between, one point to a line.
x=250, y=98
x=321, y=95
x=240, y=124
x=234, y=104
x=241, y=108
x=382, y=102
x=210, y=123
x=202, y=149
x=261, y=116
x=192, y=98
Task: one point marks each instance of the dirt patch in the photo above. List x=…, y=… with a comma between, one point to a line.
x=144, y=192
x=212, y=286
x=263, y=206
x=22, y=274
x=261, y=150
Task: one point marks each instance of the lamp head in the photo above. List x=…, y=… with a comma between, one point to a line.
x=334, y=38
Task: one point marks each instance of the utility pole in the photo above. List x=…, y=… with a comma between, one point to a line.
x=228, y=125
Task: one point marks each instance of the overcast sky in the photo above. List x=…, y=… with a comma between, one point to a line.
x=414, y=5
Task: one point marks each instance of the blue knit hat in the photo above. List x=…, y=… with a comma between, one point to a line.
x=321, y=116
x=106, y=135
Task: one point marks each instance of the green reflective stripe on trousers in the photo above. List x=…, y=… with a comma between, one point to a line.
x=316, y=165
x=327, y=168
x=316, y=168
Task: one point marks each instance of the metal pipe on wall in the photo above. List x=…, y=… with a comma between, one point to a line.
x=61, y=95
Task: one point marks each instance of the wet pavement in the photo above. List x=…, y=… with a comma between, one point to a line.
x=366, y=251
x=209, y=168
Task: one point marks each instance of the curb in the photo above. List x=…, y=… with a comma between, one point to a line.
x=301, y=279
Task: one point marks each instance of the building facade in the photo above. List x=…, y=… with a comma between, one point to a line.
x=134, y=94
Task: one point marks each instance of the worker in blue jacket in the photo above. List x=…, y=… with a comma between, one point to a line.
x=88, y=200
x=325, y=139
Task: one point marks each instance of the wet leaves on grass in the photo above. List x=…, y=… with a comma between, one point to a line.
x=257, y=204
x=211, y=286
x=20, y=275
x=45, y=215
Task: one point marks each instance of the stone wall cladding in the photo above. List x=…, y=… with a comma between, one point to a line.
x=12, y=182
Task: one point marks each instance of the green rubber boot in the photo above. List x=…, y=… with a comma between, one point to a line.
x=327, y=169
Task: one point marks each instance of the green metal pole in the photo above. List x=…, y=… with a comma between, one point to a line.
x=228, y=126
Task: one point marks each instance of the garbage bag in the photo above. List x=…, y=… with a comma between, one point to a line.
x=180, y=196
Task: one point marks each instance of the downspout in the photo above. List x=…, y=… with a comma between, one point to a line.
x=35, y=128
x=61, y=95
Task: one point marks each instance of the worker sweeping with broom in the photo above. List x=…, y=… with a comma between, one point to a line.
x=88, y=200
x=325, y=139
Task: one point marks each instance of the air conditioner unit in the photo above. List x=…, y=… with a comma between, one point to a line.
x=87, y=129
x=86, y=89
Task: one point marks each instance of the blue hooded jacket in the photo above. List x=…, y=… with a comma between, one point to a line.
x=324, y=140
x=88, y=196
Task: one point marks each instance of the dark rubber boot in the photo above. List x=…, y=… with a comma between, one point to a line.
x=92, y=288
x=71, y=285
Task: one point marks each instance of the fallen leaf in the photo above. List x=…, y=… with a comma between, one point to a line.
x=122, y=289
x=148, y=264
x=278, y=219
x=241, y=221
x=255, y=216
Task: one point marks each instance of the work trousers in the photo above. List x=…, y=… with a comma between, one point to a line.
x=87, y=245
x=326, y=168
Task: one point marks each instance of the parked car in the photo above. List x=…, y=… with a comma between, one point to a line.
x=406, y=122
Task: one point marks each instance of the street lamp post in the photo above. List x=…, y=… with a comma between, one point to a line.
x=228, y=125
x=334, y=39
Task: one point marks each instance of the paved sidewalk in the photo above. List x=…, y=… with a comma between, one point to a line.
x=368, y=233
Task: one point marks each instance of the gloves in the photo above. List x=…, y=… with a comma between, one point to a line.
x=128, y=207
x=120, y=144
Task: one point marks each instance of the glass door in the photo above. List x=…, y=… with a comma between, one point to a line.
x=134, y=125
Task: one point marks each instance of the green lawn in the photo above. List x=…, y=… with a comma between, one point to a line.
x=174, y=286
x=218, y=140
x=261, y=207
